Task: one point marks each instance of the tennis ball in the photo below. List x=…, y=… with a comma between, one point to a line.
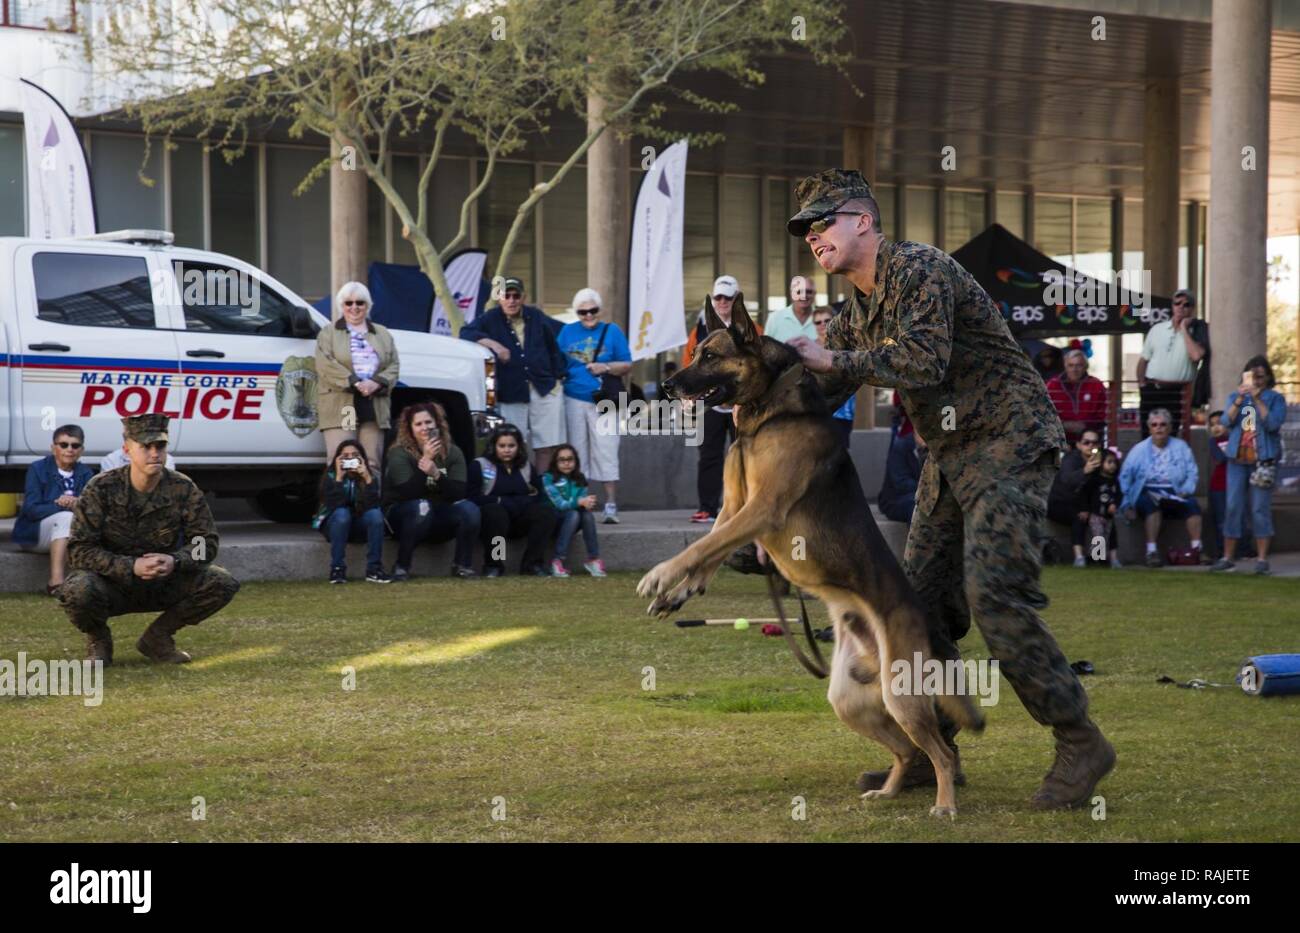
x=742, y=624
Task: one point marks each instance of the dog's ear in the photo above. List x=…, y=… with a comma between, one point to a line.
x=742, y=327
x=711, y=320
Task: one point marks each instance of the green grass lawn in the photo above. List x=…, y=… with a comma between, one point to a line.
x=528, y=693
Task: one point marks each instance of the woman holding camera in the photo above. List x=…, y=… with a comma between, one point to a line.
x=349, y=496
x=502, y=484
x=424, y=490
x=1254, y=415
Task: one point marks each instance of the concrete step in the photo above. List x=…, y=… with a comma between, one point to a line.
x=255, y=550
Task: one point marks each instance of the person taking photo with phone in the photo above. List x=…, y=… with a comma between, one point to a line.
x=349, y=511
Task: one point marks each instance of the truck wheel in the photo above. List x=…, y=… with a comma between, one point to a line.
x=293, y=505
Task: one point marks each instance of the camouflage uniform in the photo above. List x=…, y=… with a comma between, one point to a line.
x=113, y=524
x=929, y=330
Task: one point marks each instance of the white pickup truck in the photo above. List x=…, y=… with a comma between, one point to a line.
x=94, y=329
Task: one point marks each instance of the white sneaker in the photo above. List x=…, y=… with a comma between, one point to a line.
x=611, y=514
x=1080, y=561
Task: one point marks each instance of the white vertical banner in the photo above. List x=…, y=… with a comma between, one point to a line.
x=464, y=279
x=59, y=199
x=655, y=303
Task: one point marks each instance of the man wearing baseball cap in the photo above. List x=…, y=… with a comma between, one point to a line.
x=530, y=370
x=920, y=323
x=143, y=540
x=718, y=427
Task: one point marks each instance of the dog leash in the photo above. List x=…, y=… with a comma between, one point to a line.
x=816, y=668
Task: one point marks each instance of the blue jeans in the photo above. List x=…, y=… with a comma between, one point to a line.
x=569, y=522
x=342, y=526
x=1239, y=493
x=417, y=520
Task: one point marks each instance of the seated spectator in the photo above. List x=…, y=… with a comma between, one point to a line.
x=425, y=488
x=1077, y=465
x=501, y=484
x=595, y=349
x=1080, y=399
x=117, y=458
x=1098, y=501
x=1255, y=414
x=49, y=496
x=1159, y=479
x=349, y=511
x=897, y=499
x=566, y=487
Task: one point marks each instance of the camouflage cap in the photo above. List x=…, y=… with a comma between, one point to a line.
x=820, y=194
x=145, y=429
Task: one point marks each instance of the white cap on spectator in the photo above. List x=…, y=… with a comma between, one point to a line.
x=725, y=285
x=586, y=296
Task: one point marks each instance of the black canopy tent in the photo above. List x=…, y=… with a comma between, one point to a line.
x=1020, y=280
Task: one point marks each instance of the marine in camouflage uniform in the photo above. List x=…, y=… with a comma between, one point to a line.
x=929, y=330
x=113, y=525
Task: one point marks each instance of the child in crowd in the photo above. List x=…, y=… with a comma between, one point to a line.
x=1219, y=476
x=501, y=485
x=566, y=487
x=1098, y=502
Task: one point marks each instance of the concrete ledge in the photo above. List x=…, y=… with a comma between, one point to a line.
x=265, y=551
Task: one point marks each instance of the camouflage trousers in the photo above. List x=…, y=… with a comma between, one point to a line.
x=91, y=599
x=987, y=559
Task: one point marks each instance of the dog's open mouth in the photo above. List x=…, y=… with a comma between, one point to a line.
x=708, y=396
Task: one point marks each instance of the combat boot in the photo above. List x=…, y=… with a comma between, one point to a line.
x=1083, y=758
x=157, y=643
x=99, y=645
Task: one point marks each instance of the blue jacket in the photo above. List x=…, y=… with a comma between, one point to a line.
x=538, y=361
x=1135, y=473
x=1268, y=437
x=44, y=485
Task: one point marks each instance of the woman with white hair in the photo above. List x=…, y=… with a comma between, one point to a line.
x=596, y=349
x=356, y=369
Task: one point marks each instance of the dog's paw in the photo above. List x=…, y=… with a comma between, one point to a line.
x=950, y=812
x=656, y=581
x=878, y=795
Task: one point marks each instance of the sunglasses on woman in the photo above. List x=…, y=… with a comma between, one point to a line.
x=357, y=304
x=588, y=312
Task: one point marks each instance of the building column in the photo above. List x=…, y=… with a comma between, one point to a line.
x=609, y=220
x=859, y=152
x=347, y=222
x=1161, y=138
x=1239, y=94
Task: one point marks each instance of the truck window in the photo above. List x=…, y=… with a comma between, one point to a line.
x=91, y=290
x=221, y=300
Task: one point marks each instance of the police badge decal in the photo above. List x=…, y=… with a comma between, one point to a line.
x=295, y=394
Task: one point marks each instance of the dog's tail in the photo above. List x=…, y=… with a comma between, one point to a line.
x=961, y=709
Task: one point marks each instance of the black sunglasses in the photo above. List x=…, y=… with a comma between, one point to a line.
x=69, y=445
x=358, y=303
x=588, y=312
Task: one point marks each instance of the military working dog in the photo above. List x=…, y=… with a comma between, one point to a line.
x=791, y=486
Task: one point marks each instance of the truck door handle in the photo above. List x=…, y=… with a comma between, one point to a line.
x=216, y=353
x=61, y=347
